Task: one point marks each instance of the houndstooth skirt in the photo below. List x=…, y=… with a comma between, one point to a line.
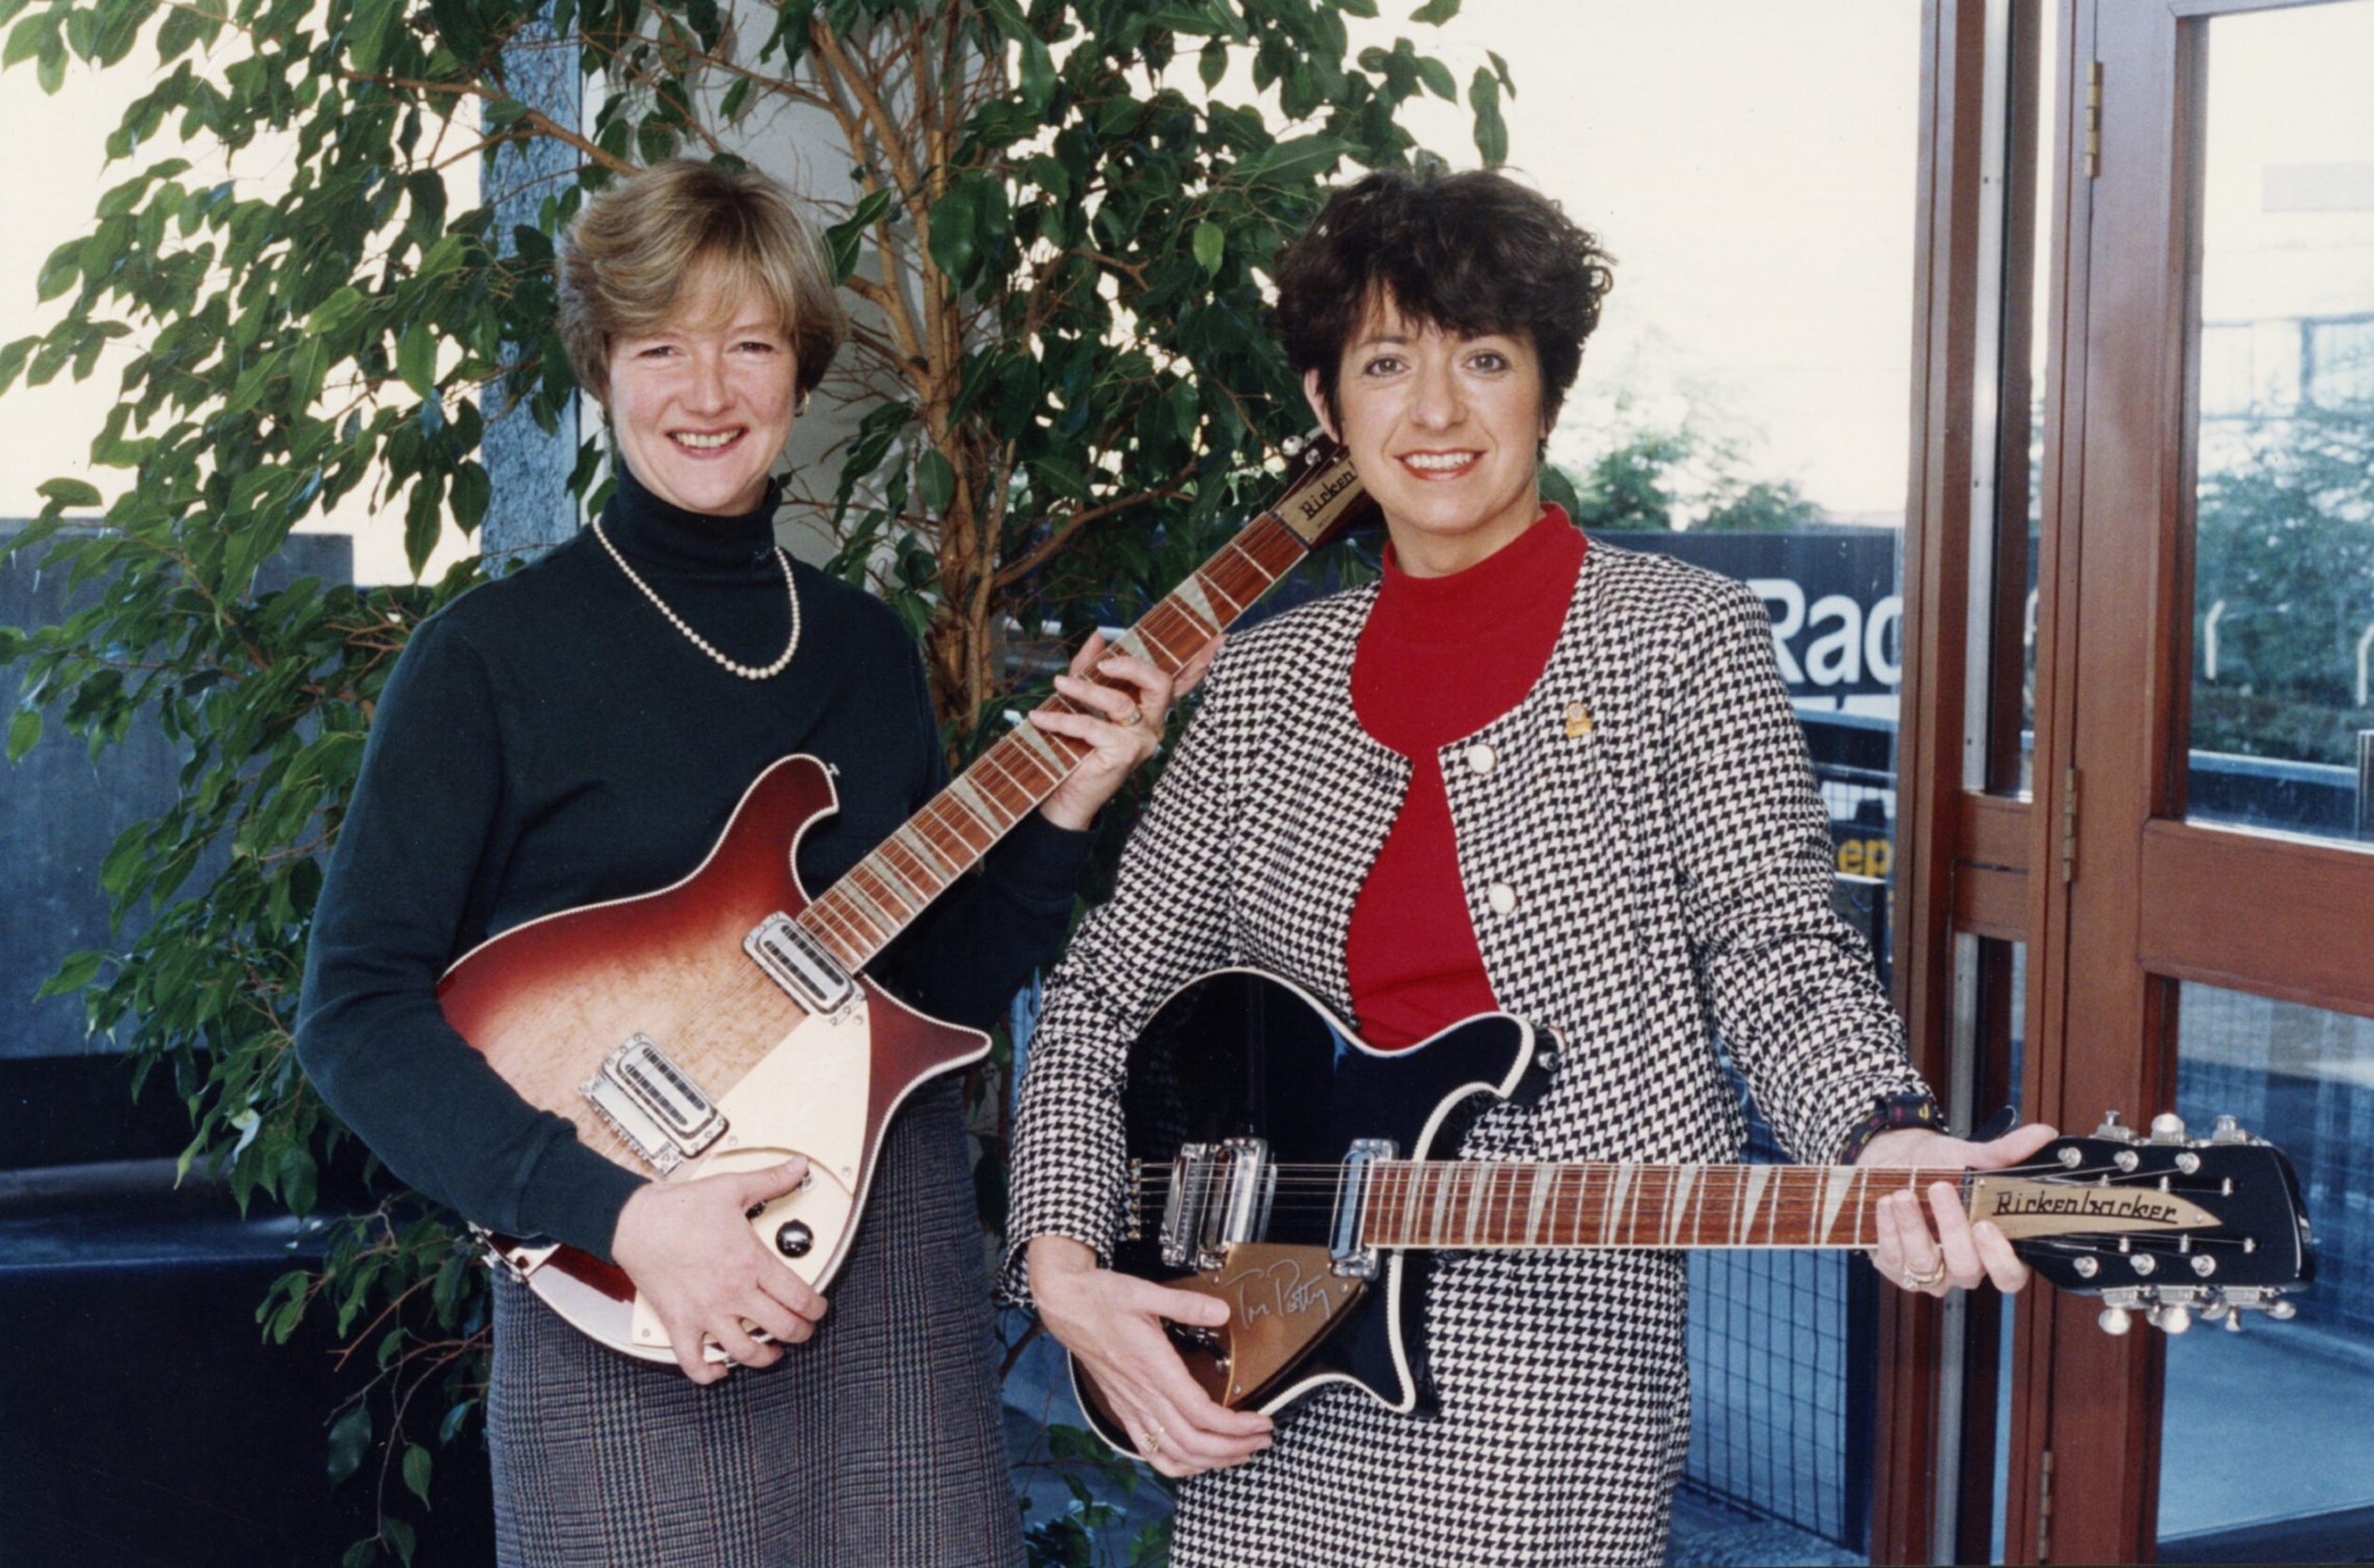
x=876, y=1442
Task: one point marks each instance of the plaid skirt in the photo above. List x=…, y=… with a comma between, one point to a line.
x=878, y=1441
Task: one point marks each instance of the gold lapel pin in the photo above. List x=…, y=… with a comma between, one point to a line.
x=1578, y=721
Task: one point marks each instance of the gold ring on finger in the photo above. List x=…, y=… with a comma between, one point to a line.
x=1935, y=1274
x=1131, y=719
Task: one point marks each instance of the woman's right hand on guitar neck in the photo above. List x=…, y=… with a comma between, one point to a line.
x=689, y=1249
x=1113, y=1323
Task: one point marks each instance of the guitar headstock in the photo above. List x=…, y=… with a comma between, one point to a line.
x=2163, y=1223
x=1324, y=498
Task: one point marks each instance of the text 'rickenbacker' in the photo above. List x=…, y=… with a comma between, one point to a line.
x=725, y=1023
x=1288, y=1168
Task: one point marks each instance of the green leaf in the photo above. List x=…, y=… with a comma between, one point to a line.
x=1211, y=247
x=936, y=481
x=80, y=969
x=1436, y=12
x=1437, y=78
x=416, y=359
x=349, y=1441
x=367, y=33
x=955, y=217
x=1491, y=132
x=416, y=1467
x=844, y=237
x=1212, y=64
x=67, y=492
x=25, y=733
x=1293, y=163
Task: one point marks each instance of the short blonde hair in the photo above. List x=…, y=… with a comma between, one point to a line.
x=628, y=259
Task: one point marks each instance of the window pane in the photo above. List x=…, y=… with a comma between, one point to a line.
x=2282, y=349
x=2255, y=1440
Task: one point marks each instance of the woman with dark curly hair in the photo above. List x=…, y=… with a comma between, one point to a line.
x=1561, y=779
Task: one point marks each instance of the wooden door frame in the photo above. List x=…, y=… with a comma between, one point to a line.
x=2149, y=898
x=1964, y=857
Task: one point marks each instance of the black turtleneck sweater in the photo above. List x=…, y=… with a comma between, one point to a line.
x=550, y=741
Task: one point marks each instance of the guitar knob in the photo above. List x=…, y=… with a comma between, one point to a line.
x=2282, y=1312
x=2172, y=1320
x=2116, y=1320
x=1291, y=446
x=793, y=1238
x=2168, y=1128
x=2234, y=1322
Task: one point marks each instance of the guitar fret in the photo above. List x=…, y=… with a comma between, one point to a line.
x=875, y=913
x=1677, y=1201
x=1479, y=1195
x=976, y=802
x=1838, y=1182
x=1744, y=1212
x=1039, y=747
x=1188, y=601
x=918, y=844
x=1441, y=1199
x=901, y=882
x=1532, y=1210
x=959, y=821
x=870, y=935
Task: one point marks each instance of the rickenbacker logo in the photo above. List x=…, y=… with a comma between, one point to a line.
x=1316, y=503
x=2147, y=1207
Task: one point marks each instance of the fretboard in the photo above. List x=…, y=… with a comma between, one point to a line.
x=1482, y=1204
x=859, y=915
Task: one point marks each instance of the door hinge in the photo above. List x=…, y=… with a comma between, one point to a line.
x=2068, y=827
x=2044, y=1509
x=2093, y=118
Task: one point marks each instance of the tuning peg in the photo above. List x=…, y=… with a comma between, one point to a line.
x=2174, y=1318
x=2116, y=1320
x=1291, y=446
x=2282, y=1310
x=2168, y=1128
x=2226, y=1132
x=2115, y=1130
x=2234, y=1322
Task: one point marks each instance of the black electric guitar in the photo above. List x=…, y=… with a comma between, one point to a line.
x=1302, y=1177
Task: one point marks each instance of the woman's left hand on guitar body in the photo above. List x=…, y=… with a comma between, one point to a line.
x=1112, y=1324
x=1121, y=727
x=1958, y=1256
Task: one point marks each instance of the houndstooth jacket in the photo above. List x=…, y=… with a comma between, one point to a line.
x=1647, y=866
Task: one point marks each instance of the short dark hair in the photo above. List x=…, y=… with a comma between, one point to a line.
x=1467, y=253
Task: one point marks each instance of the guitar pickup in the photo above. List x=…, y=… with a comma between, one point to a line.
x=795, y=959
x=1219, y=1195
x=651, y=1102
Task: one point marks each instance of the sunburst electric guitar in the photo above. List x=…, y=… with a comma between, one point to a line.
x=725, y=1023
x=1288, y=1169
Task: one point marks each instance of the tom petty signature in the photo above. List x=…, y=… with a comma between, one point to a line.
x=1282, y=1289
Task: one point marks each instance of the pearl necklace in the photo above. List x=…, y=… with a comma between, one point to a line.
x=748, y=672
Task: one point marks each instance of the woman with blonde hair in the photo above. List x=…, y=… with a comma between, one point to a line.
x=580, y=730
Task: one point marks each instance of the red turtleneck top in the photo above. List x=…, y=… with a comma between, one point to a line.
x=1440, y=658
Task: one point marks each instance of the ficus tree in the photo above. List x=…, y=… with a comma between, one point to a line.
x=1059, y=393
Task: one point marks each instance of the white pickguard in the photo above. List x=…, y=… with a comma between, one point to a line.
x=809, y=1096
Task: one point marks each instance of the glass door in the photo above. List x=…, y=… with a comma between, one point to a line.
x=2205, y=744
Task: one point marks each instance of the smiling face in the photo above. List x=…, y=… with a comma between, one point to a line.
x=1446, y=431
x=703, y=403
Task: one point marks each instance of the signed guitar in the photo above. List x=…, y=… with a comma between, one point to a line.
x=725, y=1023
x=1303, y=1177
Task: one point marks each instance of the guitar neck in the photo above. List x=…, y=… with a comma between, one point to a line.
x=859, y=915
x=1492, y=1204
